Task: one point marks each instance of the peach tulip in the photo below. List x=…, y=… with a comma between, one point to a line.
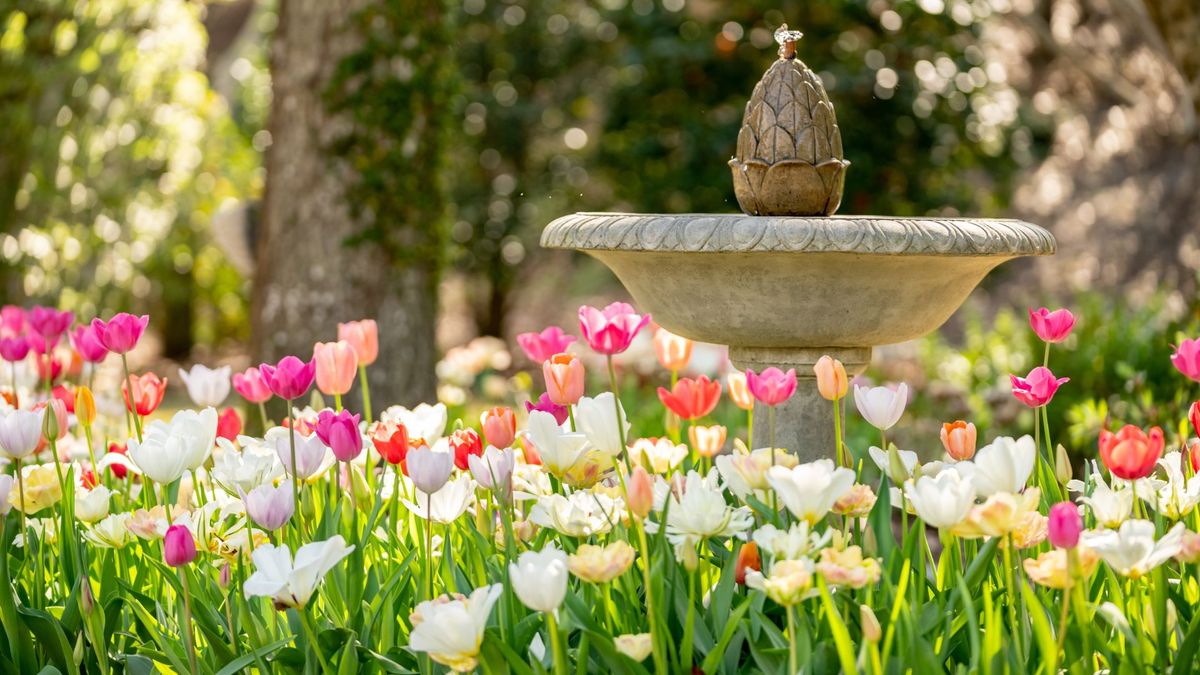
x=707, y=441
x=673, y=351
x=337, y=363
x=1131, y=453
x=499, y=426
x=832, y=382
x=363, y=336
x=564, y=378
x=958, y=438
x=739, y=391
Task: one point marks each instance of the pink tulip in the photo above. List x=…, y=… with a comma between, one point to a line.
x=269, y=506
x=564, y=378
x=1187, y=358
x=499, y=426
x=252, y=385
x=612, y=330
x=340, y=432
x=1064, y=525
x=86, y=341
x=14, y=348
x=772, y=386
x=49, y=323
x=1036, y=389
x=539, y=347
x=12, y=321
x=1051, y=326
x=179, y=546
x=54, y=425
x=290, y=378
x=363, y=336
x=336, y=365
x=121, y=333
x=546, y=405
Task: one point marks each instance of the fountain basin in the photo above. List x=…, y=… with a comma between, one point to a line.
x=783, y=290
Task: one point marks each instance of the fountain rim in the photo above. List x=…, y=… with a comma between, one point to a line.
x=853, y=234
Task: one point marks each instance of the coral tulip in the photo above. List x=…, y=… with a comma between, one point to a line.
x=464, y=443
x=252, y=385
x=179, y=546
x=14, y=349
x=564, y=378
x=772, y=386
x=691, y=398
x=707, y=441
x=148, y=392
x=499, y=426
x=539, y=347
x=739, y=390
x=673, y=351
x=1064, y=525
x=1194, y=416
x=1051, y=326
x=1131, y=453
x=1187, y=359
x=1036, y=389
x=391, y=440
x=49, y=323
x=958, y=438
x=121, y=333
x=748, y=559
x=290, y=378
x=229, y=424
x=611, y=330
x=86, y=341
x=335, y=363
x=832, y=382
x=64, y=393
x=340, y=432
x=546, y=405
x=363, y=336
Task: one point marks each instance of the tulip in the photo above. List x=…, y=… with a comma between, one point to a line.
x=6, y=485
x=336, y=364
x=84, y=406
x=37, y=488
x=941, y=501
x=539, y=578
x=701, y=512
x=1131, y=550
x=229, y=424
x=598, y=419
x=391, y=440
x=270, y=507
x=788, y=584
x=340, y=432
x=847, y=567
x=1004, y=465
x=748, y=560
x=1036, y=389
x=451, y=630
x=739, y=390
x=54, y=421
x=465, y=443
x=168, y=449
x=639, y=493
x=13, y=349
x=207, y=387
x=773, y=386
x=1050, y=326
x=708, y=441
x=611, y=330
x=881, y=406
x=121, y=333
x=363, y=337
x=49, y=323
x=832, y=382
x=540, y=347
x=810, y=490
x=660, y=456
x=179, y=546
x=1194, y=416
x=691, y=398
x=857, y=503
x=49, y=368
x=290, y=378
x=252, y=385
x=92, y=505
x=635, y=646
x=546, y=405
x=564, y=378
x=493, y=469
x=312, y=456
x=1187, y=359
x=20, y=432
x=429, y=469
x=291, y=584
x=86, y=340
x=673, y=351
x=958, y=438
x=12, y=320
x=147, y=390
x=601, y=564
x=499, y=426
x=1065, y=525
x=1131, y=453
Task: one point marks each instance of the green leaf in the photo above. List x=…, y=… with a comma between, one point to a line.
x=51, y=638
x=245, y=660
x=841, y=636
x=731, y=627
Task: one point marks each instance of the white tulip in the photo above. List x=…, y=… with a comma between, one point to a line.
x=238, y=471
x=810, y=490
x=1004, y=465
x=447, y=504
x=92, y=505
x=493, y=471
x=292, y=583
x=580, y=514
x=451, y=630
x=20, y=432
x=1131, y=550
x=6, y=486
x=883, y=460
x=796, y=542
x=560, y=451
x=881, y=406
x=312, y=456
x=111, y=532
x=424, y=422
x=597, y=419
x=943, y=500
x=168, y=449
x=429, y=469
x=702, y=513
x=207, y=386
x=539, y=578
x=659, y=456
x=1175, y=497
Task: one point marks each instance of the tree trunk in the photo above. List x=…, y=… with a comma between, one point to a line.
x=352, y=216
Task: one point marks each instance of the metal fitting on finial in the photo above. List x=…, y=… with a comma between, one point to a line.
x=787, y=41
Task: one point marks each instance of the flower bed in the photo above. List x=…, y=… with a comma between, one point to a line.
x=546, y=539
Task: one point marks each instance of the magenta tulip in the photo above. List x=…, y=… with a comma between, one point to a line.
x=544, y=404
x=612, y=330
x=49, y=323
x=14, y=348
x=86, y=341
x=252, y=385
x=1051, y=326
x=1187, y=359
x=12, y=321
x=772, y=386
x=179, y=546
x=340, y=432
x=539, y=347
x=290, y=378
x=1064, y=525
x=1036, y=389
x=121, y=333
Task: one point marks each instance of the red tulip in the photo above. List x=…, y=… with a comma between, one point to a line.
x=464, y=443
x=1194, y=416
x=118, y=470
x=391, y=440
x=691, y=398
x=148, y=392
x=63, y=393
x=229, y=424
x=1131, y=453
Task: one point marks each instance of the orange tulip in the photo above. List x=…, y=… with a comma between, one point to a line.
x=707, y=441
x=363, y=336
x=499, y=426
x=564, y=378
x=691, y=398
x=337, y=363
x=739, y=391
x=673, y=351
x=148, y=392
x=1131, y=453
x=832, y=382
x=958, y=438
x=747, y=559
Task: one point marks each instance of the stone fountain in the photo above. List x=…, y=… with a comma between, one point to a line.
x=787, y=281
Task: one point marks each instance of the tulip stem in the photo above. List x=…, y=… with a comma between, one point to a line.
x=429, y=546
x=295, y=476
x=187, y=617
x=793, y=656
x=262, y=413
x=16, y=397
x=837, y=434
x=560, y=664
x=310, y=632
x=660, y=664
x=366, y=392
x=131, y=405
x=612, y=378
x=337, y=402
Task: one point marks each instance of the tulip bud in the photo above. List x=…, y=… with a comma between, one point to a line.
x=1193, y=453
x=85, y=406
x=1062, y=464
x=86, y=599
x=1194, y=416
x=179, y=547
x=1064, y=525
x=687, y=556
x=832, y=382
x=747, y=559
x=871, y=629
x=54, y=421
x=897, y=472
x=225, y=577
x=639, y=495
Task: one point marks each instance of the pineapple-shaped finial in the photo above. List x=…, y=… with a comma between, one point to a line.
x=789, y=150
